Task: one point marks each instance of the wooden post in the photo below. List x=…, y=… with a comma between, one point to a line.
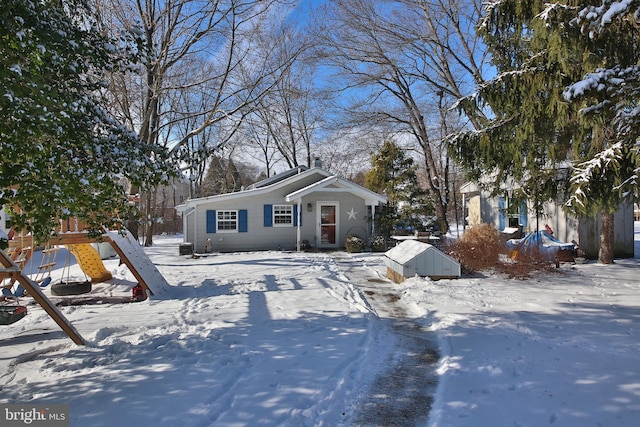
x=12, y=269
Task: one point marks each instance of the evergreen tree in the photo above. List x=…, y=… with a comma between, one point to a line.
x=608, y=95
x=393, y=174
x=539, y=50
x=61, y=153
x=223, y=177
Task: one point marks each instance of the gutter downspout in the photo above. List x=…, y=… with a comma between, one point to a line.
x=298, y=231
x=373, y=219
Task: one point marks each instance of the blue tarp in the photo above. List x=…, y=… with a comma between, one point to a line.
x=539, y=241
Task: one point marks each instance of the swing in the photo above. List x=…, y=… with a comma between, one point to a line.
x=70, y=287
x=20, y=255
x=48, y=261
x=10, y=313
x=49, y=256
x=10, y=309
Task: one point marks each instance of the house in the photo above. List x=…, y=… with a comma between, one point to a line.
x=511, y=217
x=297, y=209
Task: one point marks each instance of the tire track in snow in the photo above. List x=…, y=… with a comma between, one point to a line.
x=403, y=393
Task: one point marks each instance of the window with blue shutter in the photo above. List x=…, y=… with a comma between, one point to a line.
x=524, y=217
x=295, y=216
x=211, y=221
x=268, y=215
x=501, y=213
x=243, y=221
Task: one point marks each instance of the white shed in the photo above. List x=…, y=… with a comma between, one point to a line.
x=412, y=257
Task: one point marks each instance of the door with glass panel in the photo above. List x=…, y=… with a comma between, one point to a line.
x=327, y=232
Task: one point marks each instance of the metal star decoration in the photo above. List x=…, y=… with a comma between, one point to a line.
x=352, y=215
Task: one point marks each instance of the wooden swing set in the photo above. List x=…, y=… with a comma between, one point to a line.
x=14, y=261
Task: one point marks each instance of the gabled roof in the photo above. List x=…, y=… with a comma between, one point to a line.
x=279, y=177
x=336, y=184
x=327, y=182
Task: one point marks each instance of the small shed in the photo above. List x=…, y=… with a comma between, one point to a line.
x=413, y=257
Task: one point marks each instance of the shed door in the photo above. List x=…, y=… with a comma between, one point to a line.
x=327, y=231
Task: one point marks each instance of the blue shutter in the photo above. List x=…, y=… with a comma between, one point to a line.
x=243, y=221
x=501, y=213
x=268, y=215
x=524, y=220
x=211, y=221
x=295, y=216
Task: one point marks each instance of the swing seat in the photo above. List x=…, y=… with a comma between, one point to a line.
x=19, y=292
x=11, y=313
x=70, y=288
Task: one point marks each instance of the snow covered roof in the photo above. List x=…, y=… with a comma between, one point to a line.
x=407, y=250
x=279, y=177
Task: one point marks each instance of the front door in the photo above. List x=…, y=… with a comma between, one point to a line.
x=327, y=232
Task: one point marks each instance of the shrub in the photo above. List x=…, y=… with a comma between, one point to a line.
x=478, y=249
x=482, y=248
x=378, y=244
x=354, y=243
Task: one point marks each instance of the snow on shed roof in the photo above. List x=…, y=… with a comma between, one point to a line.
x=407, y=250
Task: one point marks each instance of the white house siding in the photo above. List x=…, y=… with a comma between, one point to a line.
x=303, y=191
x=346, y=224
x=259, y=237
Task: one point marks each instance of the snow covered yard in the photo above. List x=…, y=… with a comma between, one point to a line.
x=562, y=349
x=243, y=339
x=277, y=338
x=559, y=349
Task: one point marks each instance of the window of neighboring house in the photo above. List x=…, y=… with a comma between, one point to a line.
x=282, y=215
x=513, y=213
x=226, y=221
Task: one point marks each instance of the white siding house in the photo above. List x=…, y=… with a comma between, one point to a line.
x=297, y=209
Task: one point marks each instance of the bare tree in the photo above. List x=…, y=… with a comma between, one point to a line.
x=197, y=69
x=404, y=63
x=284, y=125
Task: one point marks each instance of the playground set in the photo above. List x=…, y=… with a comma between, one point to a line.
x=17, y=282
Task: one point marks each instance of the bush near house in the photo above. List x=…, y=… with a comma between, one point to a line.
x=378, y=244
x=354, y=243
x=478, y=249
x=481, y=248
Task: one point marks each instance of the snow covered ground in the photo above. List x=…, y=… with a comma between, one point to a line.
x=286, y=339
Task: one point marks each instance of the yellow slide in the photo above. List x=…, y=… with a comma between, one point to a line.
x=89, y=261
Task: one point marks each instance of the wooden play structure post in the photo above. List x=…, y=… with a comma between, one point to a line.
x=12, y=270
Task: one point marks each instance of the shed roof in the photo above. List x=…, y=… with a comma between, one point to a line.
x=407, y=251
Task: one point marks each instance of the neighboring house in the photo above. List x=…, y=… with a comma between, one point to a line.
x=507, y=216
x=301, y=208
x=166, y=198
x=5, y=225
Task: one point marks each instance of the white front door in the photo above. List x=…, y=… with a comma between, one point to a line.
x=328, y=224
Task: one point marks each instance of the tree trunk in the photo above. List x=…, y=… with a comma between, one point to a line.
x=605, y=256
x=150, y=217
